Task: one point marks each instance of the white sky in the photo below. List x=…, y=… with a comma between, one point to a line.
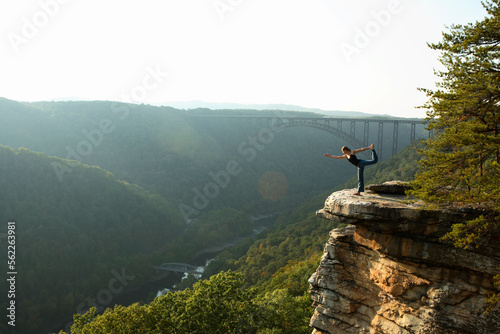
x=357, y=55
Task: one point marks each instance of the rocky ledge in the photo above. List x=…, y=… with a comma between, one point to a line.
x=388, y=271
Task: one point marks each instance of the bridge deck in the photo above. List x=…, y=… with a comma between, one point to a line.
x=326, y=118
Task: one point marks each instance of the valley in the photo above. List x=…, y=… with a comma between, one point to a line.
x=95, y=193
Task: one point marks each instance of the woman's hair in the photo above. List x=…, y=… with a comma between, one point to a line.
x=345, y=148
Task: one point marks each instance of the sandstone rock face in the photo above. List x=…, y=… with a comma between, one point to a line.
x=388, y=272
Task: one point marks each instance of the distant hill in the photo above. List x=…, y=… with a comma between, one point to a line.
x=240, y=106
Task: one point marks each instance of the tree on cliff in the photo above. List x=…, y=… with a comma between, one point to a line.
x=462, y=161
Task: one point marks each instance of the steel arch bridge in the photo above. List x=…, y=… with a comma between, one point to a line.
x=179, y=268
x=343, y=128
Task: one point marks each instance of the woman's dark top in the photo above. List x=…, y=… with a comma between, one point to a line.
x=353, y=159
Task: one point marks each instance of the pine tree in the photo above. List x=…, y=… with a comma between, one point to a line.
x=461, y=162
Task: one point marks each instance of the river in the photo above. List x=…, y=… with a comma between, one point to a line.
x=147, y=291
x=201, y=259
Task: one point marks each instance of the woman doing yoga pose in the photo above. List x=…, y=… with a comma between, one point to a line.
x=360, y=164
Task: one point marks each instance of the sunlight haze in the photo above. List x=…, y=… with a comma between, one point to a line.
x=368, y=56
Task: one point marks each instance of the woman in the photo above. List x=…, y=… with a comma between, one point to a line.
x=351, y=156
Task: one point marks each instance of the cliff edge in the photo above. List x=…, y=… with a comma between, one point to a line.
x=388, y=272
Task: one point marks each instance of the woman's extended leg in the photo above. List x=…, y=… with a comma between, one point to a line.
x=374, y=160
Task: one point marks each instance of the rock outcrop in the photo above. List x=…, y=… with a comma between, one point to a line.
x=388, y=271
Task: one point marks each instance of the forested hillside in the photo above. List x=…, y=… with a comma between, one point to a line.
x=73, y=235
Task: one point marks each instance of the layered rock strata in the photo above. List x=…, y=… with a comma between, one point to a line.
x=388, y=271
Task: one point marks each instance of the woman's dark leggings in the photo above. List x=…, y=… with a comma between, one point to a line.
x=361, y=169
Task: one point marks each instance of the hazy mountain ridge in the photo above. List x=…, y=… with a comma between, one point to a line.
x=251, y=106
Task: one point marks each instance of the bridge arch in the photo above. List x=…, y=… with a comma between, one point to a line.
x=325, y=124
x=346, y=137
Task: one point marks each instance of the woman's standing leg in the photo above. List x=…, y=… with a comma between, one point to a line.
x=361, y=168
x=361, y=180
